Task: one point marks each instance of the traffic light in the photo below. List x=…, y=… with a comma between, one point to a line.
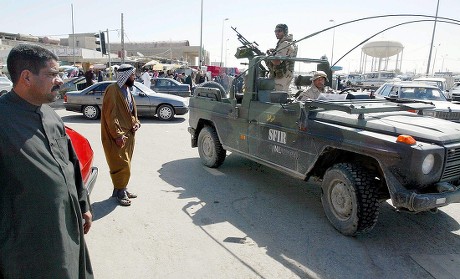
x=101, y=42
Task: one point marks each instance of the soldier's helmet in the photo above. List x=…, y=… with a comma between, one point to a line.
x=319, y=74
x=283, y=27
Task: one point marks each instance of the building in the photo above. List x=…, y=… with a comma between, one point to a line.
x=80, y=49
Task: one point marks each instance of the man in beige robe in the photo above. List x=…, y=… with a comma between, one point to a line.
x=119, y=124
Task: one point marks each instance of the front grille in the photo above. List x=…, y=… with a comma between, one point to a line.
x=448, y=115
x=452, y=163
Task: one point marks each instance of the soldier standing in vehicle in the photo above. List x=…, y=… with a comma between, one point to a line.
x=317, y=87
x=282, y=71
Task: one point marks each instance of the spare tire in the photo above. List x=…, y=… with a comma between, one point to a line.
x=213, y=84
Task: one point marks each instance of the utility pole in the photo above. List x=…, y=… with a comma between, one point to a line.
x=122, y=41
x=201, y=38
x=108, y=52
x=432, y=40
x=73, y=34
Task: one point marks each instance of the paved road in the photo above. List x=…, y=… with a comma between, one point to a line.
x=244, y=220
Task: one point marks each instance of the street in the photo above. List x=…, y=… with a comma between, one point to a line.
x=244, y=220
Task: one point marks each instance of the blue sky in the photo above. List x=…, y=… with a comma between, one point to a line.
x=180, y=20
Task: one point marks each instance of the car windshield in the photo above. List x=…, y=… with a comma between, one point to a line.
x=422, y=93
x=139, y=87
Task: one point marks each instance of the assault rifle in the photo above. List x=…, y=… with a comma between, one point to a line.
x=248, y=50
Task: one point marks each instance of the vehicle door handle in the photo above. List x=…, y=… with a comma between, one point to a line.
x=253, y=121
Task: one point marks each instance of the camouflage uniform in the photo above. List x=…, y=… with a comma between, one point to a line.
x=283, y=73
x=311, y=93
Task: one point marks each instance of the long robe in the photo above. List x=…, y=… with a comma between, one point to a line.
x=117, y=120
x=41, y=195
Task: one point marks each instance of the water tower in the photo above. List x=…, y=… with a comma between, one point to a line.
x=380, y=53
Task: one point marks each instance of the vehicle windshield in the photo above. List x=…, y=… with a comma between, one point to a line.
x=422, y=93
x=139, y=87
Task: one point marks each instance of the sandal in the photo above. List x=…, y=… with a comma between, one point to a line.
x=123, y=199
x=131, y=195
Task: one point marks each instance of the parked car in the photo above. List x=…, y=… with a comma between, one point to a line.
x=85, y=156
x=170, y=86
x=421, y=91
x=72, y=84
x=5, y=85
x=441, y=83
x=455, y=92
x=149, y=103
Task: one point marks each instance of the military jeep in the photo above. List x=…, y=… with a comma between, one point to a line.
x=363, y=151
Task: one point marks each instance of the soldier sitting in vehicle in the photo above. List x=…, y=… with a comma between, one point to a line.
x=317, y=87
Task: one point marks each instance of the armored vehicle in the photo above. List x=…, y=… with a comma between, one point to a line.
x=363, y=151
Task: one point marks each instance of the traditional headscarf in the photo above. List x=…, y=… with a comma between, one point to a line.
x=124, y=72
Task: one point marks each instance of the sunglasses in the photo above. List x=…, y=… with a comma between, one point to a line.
x=278, y=30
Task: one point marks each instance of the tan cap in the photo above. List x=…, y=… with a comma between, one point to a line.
x=319, y=74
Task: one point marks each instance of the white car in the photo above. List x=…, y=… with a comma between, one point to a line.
x=455, y=92
x=409, y=91
x=5, y=85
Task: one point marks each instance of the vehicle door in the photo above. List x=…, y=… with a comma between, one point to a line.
x=95, y=95
x=273, y=132
x=144, y=101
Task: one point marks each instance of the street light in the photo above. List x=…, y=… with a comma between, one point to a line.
x=333, y=39
x=434, y=60
x=222, y=41
x=226, y=49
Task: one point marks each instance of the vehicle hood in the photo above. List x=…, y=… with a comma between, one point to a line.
x=423, y=128
x=446, y=106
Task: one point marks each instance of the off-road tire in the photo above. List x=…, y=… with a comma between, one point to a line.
x=91, y=112
x=211, y=152
x=213, y=84
x=165, y=112
x=350, y=198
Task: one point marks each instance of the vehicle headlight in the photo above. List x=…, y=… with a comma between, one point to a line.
x=428, y=164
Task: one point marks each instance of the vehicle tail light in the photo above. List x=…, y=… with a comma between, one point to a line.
x=413, y=110
x=65, y=98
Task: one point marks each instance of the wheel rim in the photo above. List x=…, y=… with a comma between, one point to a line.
x=341, y=200
x=165, y=113
x=90, y=111
x=207, y=145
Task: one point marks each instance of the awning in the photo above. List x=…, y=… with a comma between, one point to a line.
x=152, y=62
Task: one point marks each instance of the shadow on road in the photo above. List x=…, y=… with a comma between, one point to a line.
x=144, y=120
x=285, y=215
x=103, y=208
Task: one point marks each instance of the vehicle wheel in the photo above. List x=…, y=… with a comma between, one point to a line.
x=213, y=84
x=350, y=199
x=91, y=112
x=165, y=112
x=211, y=152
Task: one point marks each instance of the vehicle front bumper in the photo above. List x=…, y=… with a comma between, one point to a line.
x=181, y=110
x=413, y=201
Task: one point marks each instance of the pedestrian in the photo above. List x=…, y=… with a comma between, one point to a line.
x=100, y=76
x=119, y=124
x=146, y=78
x=282, y=71
x=89, y=77
x=317, y=87
x=42, y=201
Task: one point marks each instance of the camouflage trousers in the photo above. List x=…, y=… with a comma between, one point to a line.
x=283, y=83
